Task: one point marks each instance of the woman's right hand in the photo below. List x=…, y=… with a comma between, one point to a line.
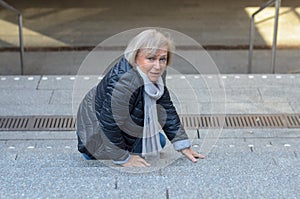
x=136, y=161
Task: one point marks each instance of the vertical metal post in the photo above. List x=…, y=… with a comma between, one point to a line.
x=18, y=13
x=277, y=4
x=250, y=55
x=21, y=43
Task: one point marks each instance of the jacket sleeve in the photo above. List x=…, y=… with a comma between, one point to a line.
x=170, y=122
x=115, y=114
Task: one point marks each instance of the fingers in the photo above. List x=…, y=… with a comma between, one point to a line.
x=143, y=162
x=192, y=155
x=198, y=155
x=136, y=161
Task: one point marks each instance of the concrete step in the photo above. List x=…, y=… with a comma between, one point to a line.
x=227, y=62
x=229, y=176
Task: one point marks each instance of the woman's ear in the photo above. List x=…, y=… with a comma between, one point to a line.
x=135, y=58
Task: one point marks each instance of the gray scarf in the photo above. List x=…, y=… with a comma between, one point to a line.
x=151, y=139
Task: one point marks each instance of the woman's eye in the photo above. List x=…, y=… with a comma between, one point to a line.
x=162, y=59
x=151, y=58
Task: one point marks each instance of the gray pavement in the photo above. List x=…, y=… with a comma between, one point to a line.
x=48, y=168
x=192, y=94
x=241, y=163
x=227, y=61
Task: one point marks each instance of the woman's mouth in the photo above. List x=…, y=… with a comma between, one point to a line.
x=155, y=74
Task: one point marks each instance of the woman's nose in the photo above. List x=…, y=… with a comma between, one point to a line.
x=157, y=64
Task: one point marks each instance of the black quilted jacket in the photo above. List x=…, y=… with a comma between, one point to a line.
x=119, y=108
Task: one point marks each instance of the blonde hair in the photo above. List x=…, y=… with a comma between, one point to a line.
x=150, y=40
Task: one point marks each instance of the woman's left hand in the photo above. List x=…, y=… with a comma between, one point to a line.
x=191, y=154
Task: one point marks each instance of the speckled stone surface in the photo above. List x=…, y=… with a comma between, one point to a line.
x=192, y=94
x=240, y=164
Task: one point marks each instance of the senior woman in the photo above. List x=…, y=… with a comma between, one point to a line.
x=123, y=117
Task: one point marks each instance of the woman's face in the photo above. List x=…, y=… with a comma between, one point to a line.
x=152, y=65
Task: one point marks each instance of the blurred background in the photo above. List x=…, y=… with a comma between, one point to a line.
x=58, y=35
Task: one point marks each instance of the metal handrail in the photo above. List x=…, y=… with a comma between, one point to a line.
x=274, y=45
x=17, y=12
